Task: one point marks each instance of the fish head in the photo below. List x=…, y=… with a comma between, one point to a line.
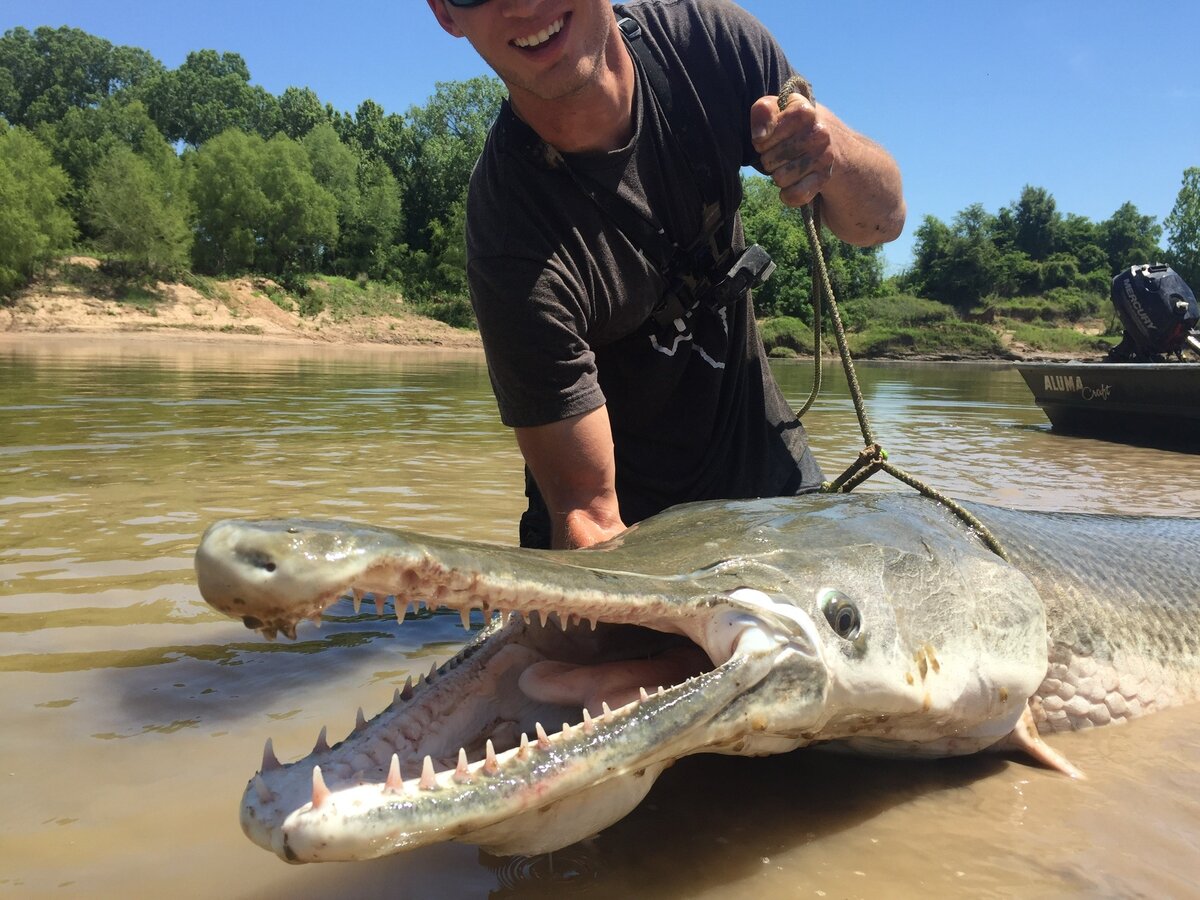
x=737, y=627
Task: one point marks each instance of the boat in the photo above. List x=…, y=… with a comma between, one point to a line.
x=1153, y=403
x=1146, y=390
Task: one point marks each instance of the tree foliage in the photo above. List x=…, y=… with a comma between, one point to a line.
x=49, y=71
x=34, y=224
x=259, y=208
x=207, y=95
x=1183, y=229
x=853, y=271
x=1026, y=248
x=140, y=212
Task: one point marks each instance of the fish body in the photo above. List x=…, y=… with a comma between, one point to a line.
x=874, y=623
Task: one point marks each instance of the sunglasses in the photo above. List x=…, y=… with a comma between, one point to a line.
x=466, y=2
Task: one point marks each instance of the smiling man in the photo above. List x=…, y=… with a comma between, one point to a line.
x=605, y=254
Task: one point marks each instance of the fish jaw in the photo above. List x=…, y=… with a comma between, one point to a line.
x=395, y=783
x=548, y=791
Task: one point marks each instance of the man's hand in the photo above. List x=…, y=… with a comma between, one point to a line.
x=807, y=151
x=795, y=146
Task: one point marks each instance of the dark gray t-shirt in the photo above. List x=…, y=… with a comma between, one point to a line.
x=563, y=296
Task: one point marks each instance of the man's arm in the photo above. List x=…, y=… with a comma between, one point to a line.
x=573, y=464
x=807, y=150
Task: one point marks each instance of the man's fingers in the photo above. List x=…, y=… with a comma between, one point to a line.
x=769, y=125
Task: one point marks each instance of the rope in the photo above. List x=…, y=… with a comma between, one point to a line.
x=872, y=458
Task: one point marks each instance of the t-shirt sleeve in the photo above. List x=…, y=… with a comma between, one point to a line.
x=748, y=54
x=539, y=361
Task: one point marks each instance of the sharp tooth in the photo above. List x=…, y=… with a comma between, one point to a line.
x=428, y=781
x=523, y=751
x=661, y=692
x=465, y=614
x=566, y=730
x=357, y=594
x=543, y=741
x=289, y=630
x=463, y=771
x=395, y=781
x=320, y=792
x=261, y=789
x=322, y=745
x=396, y=697
x=407, y=693
x=269, y=633
x=360, y=721
x=316, y=619
x=432, y=672
x=270, y=760
x=594, y=623
x=379, y=601
x=642, y=695
x=604, y=706
x=490, y=764
x=399, y=609
x=589, y=727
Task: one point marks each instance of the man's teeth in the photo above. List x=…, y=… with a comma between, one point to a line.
x=541, y=37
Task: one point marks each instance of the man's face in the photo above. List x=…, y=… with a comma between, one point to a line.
x=541, y=49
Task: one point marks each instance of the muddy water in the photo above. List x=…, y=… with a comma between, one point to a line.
x=133, y=715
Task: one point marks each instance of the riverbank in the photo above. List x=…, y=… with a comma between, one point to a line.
x=239, y=309
x=256, y=310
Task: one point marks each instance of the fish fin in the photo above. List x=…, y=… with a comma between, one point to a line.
x=1024, y=738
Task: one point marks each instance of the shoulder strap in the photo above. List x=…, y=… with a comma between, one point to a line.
x=658, y=78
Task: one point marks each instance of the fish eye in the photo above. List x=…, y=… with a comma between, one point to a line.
x=842, y=614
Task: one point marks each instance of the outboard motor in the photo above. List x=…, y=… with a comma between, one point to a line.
x=1159, y=312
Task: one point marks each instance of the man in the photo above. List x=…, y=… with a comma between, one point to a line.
x=632, y=378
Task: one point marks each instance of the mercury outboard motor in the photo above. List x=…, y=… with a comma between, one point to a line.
x=1159, y=312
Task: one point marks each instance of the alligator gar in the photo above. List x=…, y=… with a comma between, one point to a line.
x=873, y=623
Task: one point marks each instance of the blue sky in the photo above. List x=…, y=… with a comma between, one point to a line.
x=1097, y=101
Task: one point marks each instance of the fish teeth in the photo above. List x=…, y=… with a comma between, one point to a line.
x=322, y=744
x=270, y=760
x=320, y=793
x=491, y=765
x=360, y=721
x=462, y=772
x=428, y=780
x=395, y=781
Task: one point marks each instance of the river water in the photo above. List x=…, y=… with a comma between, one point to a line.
x=133, y=714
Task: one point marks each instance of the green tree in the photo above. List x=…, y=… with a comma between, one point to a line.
x=781, y=232
x=1183, y=229
x=300, y=225
x=441, y=144
x=49, y=71
x=34, y=225
x=1130, y=239
x=258, y=207
x=300, y=111
x=140, y=213
x=85, y=136
x=230, y=202
x=961, y=264
x=369, y=241
x=207, y=95
x=1036, y=220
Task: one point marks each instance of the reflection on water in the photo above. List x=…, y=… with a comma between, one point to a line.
x=133, y=713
